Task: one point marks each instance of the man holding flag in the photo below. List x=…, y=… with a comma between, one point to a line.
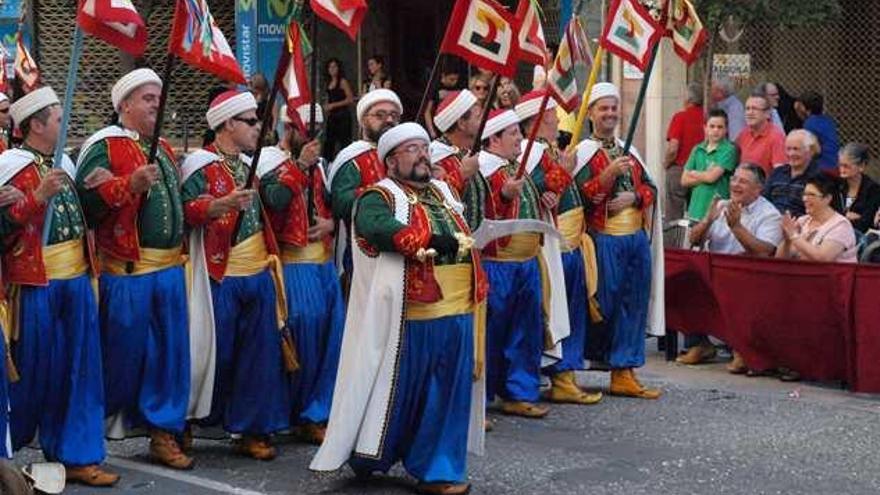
x=137, y=214
x=458, y=119
x=57, y=350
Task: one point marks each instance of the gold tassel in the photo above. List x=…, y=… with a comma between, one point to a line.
x=288, y=352
x=11, y=370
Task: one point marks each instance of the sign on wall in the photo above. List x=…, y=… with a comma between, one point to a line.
x=735, y=66
x=259, y=32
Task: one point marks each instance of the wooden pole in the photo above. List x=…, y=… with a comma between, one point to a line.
x=314, y=82
x=170, y=61
x=493, y=91
x=582, y=112
x=533, y=134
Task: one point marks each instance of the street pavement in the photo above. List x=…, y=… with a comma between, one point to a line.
x=711, y=433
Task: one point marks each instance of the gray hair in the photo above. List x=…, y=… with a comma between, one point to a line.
x=808, y=139
x=857, y=152
x=695, y=94
x=757, y=172
x=725, y=84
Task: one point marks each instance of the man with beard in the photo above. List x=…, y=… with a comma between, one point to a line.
x=458, y=118
x=618, y=192
x=59, y=397
x=357, y=166
x=550, y=171
x=251, y=396
x=405, y=379
x=295, y=195
x=135, y=209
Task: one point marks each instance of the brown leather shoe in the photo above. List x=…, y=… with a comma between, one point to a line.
x=256, y=448
x=737, y=366
x=698, y=354
x=313, y=433
x=624, y=383
x=91, y=475
x=565, y=390
x=524, y=409
x=186, y=442
x=443, y=488
x=165, y=450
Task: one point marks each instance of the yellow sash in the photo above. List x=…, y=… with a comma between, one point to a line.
x=314, y=252
x=521, y=247
x=456, y=284
x=626, y=222
x=571, y=226
x=479, y=339
x=250, y=257
x=591, y=265
x=151, y=260
x=65, y=260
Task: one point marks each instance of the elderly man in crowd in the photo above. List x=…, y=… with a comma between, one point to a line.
x=723, y=98
x=761, y=143
x=747, y=224
x=684, y=134
x=785, y=186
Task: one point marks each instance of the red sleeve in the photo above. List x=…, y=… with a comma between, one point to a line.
x=595, y=187
x=645, y=194
x=676, y=128
x=294, y=178
x=195, y=212
x=25, y=209
x=452, y=168
x=417, y=235
x=556, y=178
x=777, y=151
x=116, y=192
x=504, y=208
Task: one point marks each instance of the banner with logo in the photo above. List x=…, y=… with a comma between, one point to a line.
x=260, y=26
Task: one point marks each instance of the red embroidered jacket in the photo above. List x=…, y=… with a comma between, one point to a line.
x=593, y=186
x=291, y=226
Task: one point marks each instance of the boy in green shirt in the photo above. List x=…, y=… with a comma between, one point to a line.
x=709, y=167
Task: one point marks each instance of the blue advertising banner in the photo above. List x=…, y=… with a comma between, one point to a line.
x=246, y=35
x=259, y=33
x=10, y=9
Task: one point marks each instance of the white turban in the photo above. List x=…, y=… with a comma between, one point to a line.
x=130, y=82
x=530, y=104
x=377, y=96
x=499, y=120
x=32, y=103
x=229, y=104
x=3, y=97
x=603, y=90
x=393, y=137
x=452, y=108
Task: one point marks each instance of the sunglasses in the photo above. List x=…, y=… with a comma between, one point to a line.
x=251, y=121
x=481, y=88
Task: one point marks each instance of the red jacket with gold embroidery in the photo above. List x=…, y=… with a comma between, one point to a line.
x=218, y=231
x=591, y=186
x=291, y=225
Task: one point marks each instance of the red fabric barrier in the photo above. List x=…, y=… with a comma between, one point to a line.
x=821, y=319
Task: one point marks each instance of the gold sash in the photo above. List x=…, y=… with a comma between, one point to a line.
x=65, y=260
x=522, y=247
x=591, y=265
x=571, y=226
x=151, y=260
x=626, y=222
x=250, y=257
x=456, y=284
x=314, y=252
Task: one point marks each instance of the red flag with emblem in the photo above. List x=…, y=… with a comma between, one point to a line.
x=296, y=84
x=686, y=30
x=485, y=34
x=26, y=69
x=4, y=75
x=197, y=40
x=572, y=63
x=631, y=32
x=115, y=21
x=347, y=15
x=532, y=44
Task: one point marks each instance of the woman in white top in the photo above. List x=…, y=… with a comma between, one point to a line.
x=822, y=234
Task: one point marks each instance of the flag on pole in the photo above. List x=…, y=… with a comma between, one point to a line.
x=347, y=15
x=686, y=30
x=197, y=40
x=115, y=21
x=631, y=32
x=4, y=76
x=296, y=83
x=532, y=44
x=572, y=63
x=26, y=69
x=485, y=34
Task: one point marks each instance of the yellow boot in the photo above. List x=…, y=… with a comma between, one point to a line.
x=566, y=391
x=625, y=383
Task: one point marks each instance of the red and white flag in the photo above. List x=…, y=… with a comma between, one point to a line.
x=4, y=76
x=570, y=68
x=26, y=69
x=115, y=21
x=532, y=44
x=347, y=15
x=631, y=32
x=197, y=40
x=296, y=83
x=686, y=30
x=485, y=34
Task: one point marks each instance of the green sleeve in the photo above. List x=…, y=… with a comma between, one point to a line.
x=93, y=205
x=691, y=163
x=344, y=190
x=375, y=221
x=538, y=179
x=728, y=157
x=275, y=195
x=194, y=186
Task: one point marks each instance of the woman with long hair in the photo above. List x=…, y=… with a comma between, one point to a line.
x=378, y=76
x=337, y=109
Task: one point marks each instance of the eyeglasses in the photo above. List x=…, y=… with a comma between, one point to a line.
x=384, y=115
x=480, y=87
x=757, y=109
x=413, y=149
x=812, y=195
x=251, y=121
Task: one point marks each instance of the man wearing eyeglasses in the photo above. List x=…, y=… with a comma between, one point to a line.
x=250, y=387
x=135, y=210
x=406, y=377
x=761, y=142
x=357, y=166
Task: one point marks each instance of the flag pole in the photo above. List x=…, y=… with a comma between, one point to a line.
x=435, y=72
x=634, y=122
x=582, y=111
x=493, y=91
x=314, y=82
x=533, y=134
x=70, y=88
x=170, y=61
